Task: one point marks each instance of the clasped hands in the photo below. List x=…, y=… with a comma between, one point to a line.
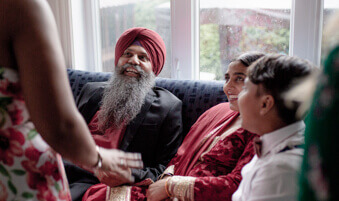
x=157, y=191
x=116, y=168
x=116, y=171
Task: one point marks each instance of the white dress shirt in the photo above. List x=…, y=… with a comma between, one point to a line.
x=274, y=176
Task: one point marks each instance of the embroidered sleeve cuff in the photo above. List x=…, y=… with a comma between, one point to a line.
x=181, y=187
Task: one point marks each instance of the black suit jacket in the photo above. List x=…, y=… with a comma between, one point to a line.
x=155, y=132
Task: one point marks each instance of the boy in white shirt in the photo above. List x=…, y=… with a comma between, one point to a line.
x=272, y=173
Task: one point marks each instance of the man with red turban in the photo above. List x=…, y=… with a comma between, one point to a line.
x=129, y=113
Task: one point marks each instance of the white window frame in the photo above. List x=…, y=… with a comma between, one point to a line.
x=306, y=29
x=86, y=35
x=185, y=38
x=82, y=47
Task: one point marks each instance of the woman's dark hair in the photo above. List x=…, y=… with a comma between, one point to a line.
x=249, y=57
x=277, y=74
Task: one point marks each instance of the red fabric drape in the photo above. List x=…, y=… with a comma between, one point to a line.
x=188, y=153
x=150, y=40
x=110, y=139
x=191, y=148
x=95, y=193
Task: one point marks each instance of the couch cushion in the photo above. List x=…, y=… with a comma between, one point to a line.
x=197, y=96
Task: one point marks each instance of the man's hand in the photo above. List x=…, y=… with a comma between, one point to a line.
x=113, y=179
x=157, y=191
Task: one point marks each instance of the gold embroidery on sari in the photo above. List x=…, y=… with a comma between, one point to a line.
x=182, y=187
x=232, y=129
x=121, y=193
x=170, y=170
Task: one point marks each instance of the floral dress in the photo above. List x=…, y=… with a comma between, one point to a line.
x=29, y=168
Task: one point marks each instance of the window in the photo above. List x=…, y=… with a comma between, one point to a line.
x=229, y=28
x=330, y=8
x=201, y=36
x=118, y=15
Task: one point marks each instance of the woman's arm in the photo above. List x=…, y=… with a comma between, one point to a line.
x=38, y=53
x=45, y=85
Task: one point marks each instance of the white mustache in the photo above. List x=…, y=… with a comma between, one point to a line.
x=136, y=67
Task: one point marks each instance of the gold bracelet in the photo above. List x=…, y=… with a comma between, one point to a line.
x=166, y=187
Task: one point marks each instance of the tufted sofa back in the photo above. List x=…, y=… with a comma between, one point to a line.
x=197, y=96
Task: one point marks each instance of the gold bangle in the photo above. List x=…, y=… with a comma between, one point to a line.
x=166, y=187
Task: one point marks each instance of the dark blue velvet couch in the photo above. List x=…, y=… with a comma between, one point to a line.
x=196, y=96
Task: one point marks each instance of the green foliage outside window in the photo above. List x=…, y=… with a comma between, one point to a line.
x=145, y=13
x=210, y=50
x=265, y=40
x=253, y=39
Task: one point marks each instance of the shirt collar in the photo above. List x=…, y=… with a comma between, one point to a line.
x=272, y=139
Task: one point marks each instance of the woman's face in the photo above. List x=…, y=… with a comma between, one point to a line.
x=234, y=81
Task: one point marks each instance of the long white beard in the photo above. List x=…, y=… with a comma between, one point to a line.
x=124, y=97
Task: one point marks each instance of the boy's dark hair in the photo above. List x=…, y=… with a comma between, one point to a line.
x=249, y=57
x=277, y=74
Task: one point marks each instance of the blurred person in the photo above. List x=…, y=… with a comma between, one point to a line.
x=130, y=113
x=35, y=96
x=208, y=163
x=319, y=177
x=272, y=173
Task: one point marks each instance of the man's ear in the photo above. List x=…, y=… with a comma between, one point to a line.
x=267, y=103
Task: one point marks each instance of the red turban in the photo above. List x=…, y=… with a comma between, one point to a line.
x=150, y=40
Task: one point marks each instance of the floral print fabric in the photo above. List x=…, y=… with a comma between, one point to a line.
x=29, y=168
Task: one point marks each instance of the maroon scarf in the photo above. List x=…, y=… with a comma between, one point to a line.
x=188, y=153
x=110, y=139
x=192, y=147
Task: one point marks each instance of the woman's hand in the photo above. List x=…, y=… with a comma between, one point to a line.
x=116, y=162
x=157, y=191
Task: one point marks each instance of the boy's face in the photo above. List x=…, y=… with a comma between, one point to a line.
x=249, y=107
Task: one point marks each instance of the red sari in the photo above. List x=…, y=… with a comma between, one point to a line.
x=217, y=172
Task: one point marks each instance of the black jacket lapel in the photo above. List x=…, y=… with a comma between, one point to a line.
x=93, y=105
x=135, y=123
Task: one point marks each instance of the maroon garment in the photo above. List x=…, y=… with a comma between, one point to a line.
x=191, y=148
x=150, y=40
x=110, y=139
x=219, y=175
